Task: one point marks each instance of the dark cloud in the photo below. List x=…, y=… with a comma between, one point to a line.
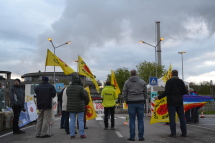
x=106, y=33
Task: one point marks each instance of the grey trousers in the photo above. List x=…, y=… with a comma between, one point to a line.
x=42, y=121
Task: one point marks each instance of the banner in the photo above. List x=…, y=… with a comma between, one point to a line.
x=160, y=113
x=114, y=82
x=53, y=60
x=91, y=113
x=99, y=109
x=29, y=115
x=85, y=71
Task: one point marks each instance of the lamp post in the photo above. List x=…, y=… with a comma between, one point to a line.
x=54, y=52
x=77, y=65
x=155, y=51
x=182, y=63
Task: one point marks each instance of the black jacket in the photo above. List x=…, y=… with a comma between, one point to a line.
x=75, y=96
x=16, y=96
x=60, y=96
x=174, y=90
x=45, y=92
x=86, y=102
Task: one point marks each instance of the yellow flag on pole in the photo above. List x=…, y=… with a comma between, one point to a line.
x=91, y=113
x=84, y=70
x=168, y=74
x=114, y=82
x=53, y=60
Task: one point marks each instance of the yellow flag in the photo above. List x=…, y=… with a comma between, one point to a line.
x=91, y=113
x=84, y=70
x=53, y=60
x=114, y=82
x=168, y=74
x=160, y=113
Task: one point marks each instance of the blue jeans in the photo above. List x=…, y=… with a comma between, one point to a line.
x=187, y=115
x=62, y=123
x=66, y=117
x=180, y=112
x=80, y=121
x=134, y=109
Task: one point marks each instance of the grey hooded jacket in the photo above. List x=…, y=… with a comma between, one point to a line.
x=16, y=96
x=134, y=90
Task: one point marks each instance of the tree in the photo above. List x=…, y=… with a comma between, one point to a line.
x=204, y=88
x=121, y=74
x=148, y=69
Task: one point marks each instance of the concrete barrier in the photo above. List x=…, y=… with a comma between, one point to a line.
x=1, y=121
x=6, y=120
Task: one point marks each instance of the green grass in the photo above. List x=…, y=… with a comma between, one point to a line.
x=207, y=112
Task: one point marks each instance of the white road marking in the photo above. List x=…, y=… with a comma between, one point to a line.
x=118, y=134
x=122, y=117
x=202, y=127
x=99, y=118
x=12, y=132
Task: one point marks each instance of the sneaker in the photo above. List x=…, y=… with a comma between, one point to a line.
x=83, y=136
x=106, y=128
x=37, y=136
x=46, y=136
x=129, y=139
x=62, y=128
x=72, y=137
x=75, y=132
x=141, y=139
x=172, y=135
x=67, y=132
x=183, y=135
x=85, y=127
x=16, y=132
x=112, y=128
x=22, y=132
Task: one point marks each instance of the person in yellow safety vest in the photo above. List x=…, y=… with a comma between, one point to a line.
x=109, y=97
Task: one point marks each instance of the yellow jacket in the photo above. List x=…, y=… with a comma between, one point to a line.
x=108, y=96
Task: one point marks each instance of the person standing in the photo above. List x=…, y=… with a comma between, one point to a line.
x=174, y=90
x=45, y=92
x=135, y=95
x=17, y=103
x=75, y=105
x=109, y=96
x=2, y=97
x=193, y=110
x=62, y=123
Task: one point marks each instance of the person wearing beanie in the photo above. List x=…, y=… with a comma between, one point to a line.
x=17, y=103
x=44, y=93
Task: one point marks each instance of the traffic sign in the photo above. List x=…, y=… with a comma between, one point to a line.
x=153, y=81
x=59, y=86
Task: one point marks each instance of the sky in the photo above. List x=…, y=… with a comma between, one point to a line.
x=106, y=35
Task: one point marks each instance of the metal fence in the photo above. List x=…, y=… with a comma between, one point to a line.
x=210, y=106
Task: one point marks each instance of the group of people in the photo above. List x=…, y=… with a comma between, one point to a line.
x=74, y=100
x=192, y=115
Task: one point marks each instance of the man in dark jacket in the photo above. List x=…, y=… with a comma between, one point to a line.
x=45, y=92
x=135, y=95
x=17, y=103
x=75, y=105
x=174, y=90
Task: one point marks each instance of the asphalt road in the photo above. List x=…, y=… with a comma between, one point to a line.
x=202, y=132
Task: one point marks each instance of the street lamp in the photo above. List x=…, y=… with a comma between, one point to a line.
x=182, y=63
x=155, y=51
x=54, y=52
x=77, y=65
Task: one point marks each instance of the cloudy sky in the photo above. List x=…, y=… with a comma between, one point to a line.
x=106, y=34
